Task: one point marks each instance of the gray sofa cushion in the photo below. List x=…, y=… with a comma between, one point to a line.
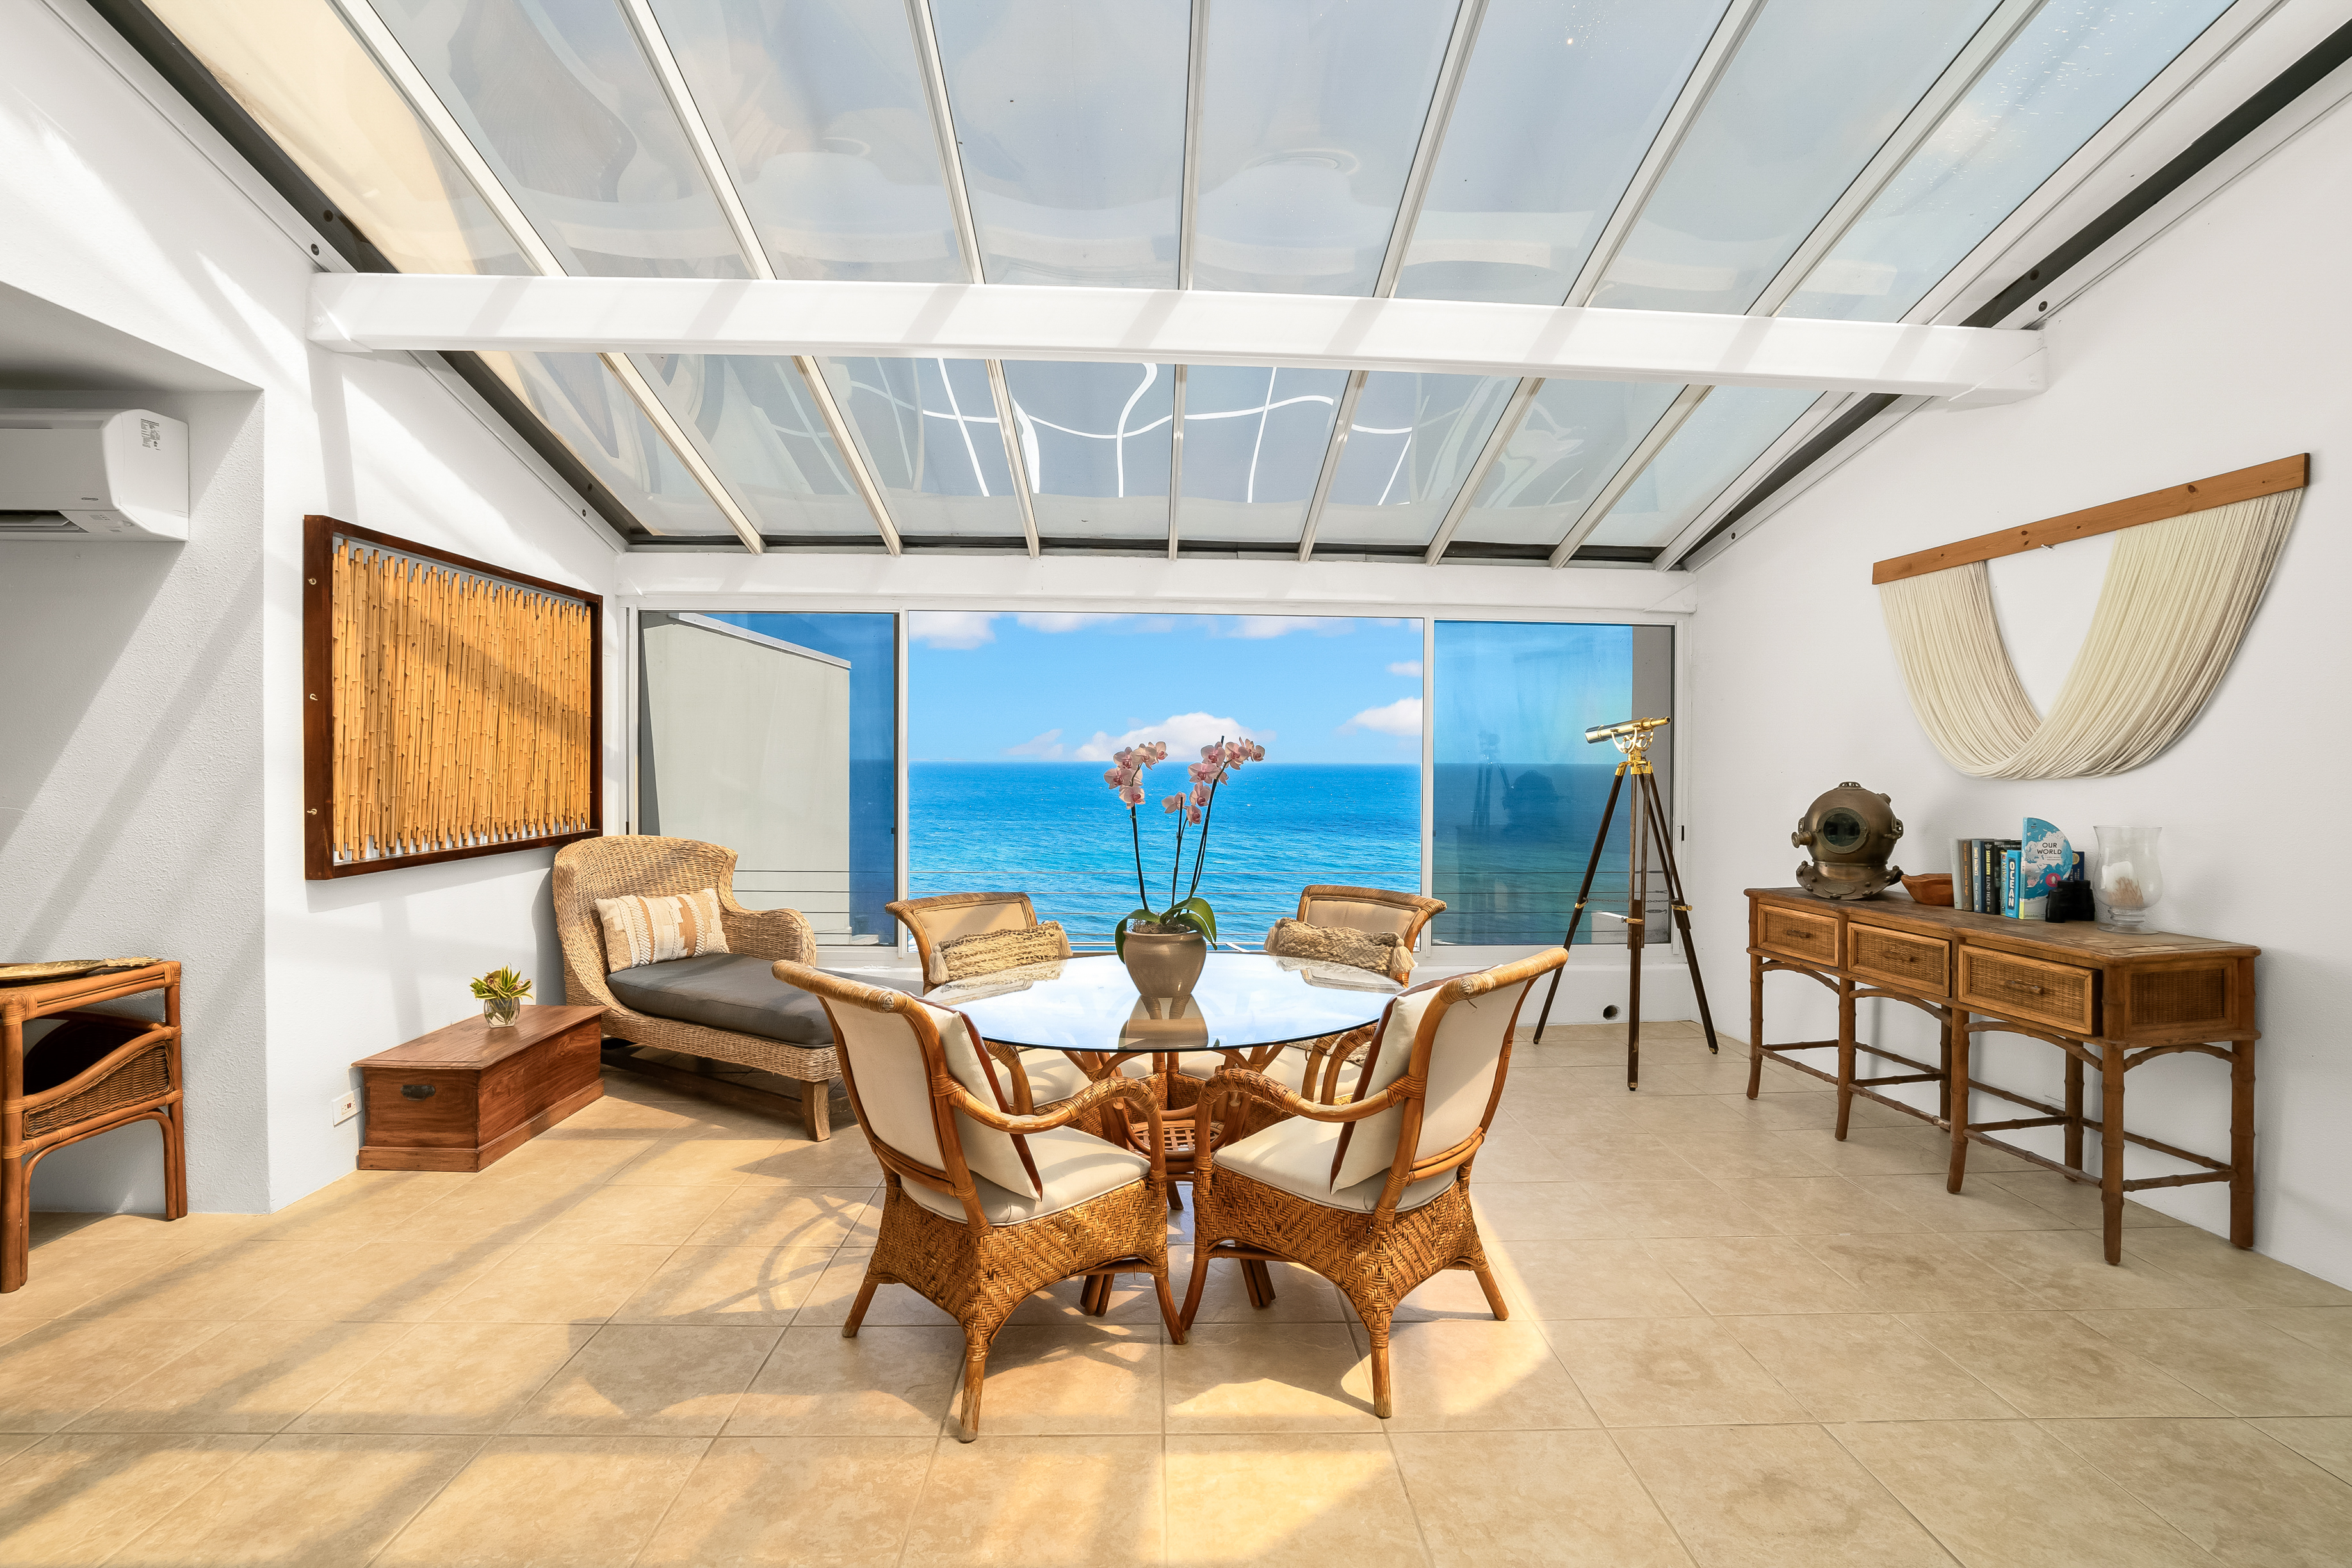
x=737, y=991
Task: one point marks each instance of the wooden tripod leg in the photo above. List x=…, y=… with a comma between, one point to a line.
x=1637, y=909
x=1583, y=892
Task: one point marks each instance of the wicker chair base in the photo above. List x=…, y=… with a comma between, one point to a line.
x=813, y=1066
x=979, y=1277
x=1375, y=1266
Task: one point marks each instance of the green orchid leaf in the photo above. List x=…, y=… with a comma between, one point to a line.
x=1132, y=917
x=1182, y=919
x=1200, y=906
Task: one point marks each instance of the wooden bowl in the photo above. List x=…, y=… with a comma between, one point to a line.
x=1934, y=888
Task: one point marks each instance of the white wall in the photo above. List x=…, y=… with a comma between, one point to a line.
x=160, y=805
x=2220, y=346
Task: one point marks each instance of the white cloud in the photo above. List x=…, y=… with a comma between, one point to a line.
x=1260, y=626
x=1406, y=668
x=1064, y=622
x=1046, y=748
x=950, y=628
x=1185, y=734
x=1402, y=716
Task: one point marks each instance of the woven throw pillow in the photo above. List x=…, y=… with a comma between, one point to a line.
x=653, y=930
x=962, y=957
x=1381, y=952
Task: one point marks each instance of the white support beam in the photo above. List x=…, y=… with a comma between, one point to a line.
x=1685, y=403
x=1514, y=414
x=1188, y=208
x=1015, y=460
x=364, y=312
x=1176, y=459
x=1336, y=448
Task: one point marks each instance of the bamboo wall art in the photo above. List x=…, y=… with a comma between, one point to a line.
x=451, y=707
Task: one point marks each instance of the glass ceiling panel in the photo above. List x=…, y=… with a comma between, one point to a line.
x=1310, y=111
x=1070, y=118
x=577, y=398
x=1722, y=437
x=1815, y=89
x=1254, y=446
x=928, y=428
x=1576, y=435
x=297, y=71
x=819, y=109
x=1096, y=439
x=2076, y=63
x=1560, y=101
x=1410, y=447
x=763, y=432
x=557, y=96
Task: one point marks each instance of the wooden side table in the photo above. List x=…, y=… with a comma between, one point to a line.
x=464, y=1096
x=2109, y=1001
x=138, y=1080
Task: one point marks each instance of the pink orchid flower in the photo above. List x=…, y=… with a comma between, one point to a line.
x=1170, y=802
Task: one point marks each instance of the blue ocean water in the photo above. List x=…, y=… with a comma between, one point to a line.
x=1055, y=830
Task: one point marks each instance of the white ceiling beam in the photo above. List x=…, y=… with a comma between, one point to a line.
x=1498, y=440
x=365, y=312
x=1175, y=460
x=1685, y=403
x=1016, y=460
x=1686, y=539
x=1336, y=448
x=1195, y=85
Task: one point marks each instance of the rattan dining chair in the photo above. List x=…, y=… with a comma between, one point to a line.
x=1374, y=1194
x=983, y=1207
x=1042, y=1079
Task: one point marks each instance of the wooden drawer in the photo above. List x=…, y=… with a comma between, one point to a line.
x=1898, y=958
x=1813, y=937
x=2057, y=994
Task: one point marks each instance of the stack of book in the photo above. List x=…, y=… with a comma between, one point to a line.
x=2013, y=877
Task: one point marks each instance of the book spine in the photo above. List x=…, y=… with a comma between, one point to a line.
x=2009, y=870
x=1959, y=873
x=1984, y=859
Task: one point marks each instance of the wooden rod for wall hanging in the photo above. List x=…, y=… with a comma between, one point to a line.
x=2220, y=490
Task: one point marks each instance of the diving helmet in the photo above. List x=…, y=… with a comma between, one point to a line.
x=1850, y=832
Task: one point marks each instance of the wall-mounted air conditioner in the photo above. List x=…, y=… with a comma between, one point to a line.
x=92, y=473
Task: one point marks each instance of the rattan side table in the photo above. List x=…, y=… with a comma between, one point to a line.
x=136, y=1080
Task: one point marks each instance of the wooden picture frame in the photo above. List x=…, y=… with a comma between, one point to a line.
x=368, y=791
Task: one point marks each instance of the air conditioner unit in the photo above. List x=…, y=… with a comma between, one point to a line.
x=92, y=473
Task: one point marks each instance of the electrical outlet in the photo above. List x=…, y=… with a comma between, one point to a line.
x=343, y=1107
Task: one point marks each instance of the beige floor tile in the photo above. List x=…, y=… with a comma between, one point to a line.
x=1456, y=1292
x=1070, y=1381
x=2243, y=1278
x=66, y=1234
x=642, y=1380
x=2078, y=1203
x=2240, y=1494
x=1300, y=1295
x=1514, y=1152
x=1864, y=1368
x=2048, y=1363
x=224, y=1282
x=893, y=1306
x=551, y=1502
x=1817, y=1206
x=641, y=1216
x=1521, y=1499
x=695, y=1162
x=2325, y=1440
x=560, y=1282
x=2069, y=1269
x=844, y=1160
x=52, y=1373
x=740, y=1287
x=65, y=1280
x=243, y=1379
x=1692, y=1208
x=1789, y=1112
x=496, y=1210
x=1669, y=1371
x=2239, y=1363
x=885, y=1383
x=389, y=1281
x=1585, y=1280
x=81, y=1497
x=1627, y=1157
x=2327, y=1328
x=1046, y=1502
x=766, y=1214
x=1541, y=1211
x=1982, y=1204
x=1737, y=1154
x=849, y=1504
x=1918, y=1274
x=586, y=1160
x=1265, y=1377
x=1766, y=1274
x=1461, y=1375
x=303, y=1503
x=1295, y=1499
x=1134, y=1301
x=1873, y=1151
x=354, y=1210
x=449, y=1378
x=2007, y=1492
x=1758, y=1497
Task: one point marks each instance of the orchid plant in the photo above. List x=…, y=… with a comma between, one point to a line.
x=1193, y=808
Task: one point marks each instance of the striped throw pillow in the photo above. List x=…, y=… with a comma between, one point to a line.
x=640, y=930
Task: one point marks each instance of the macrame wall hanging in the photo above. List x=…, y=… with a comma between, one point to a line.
x=2179, y=592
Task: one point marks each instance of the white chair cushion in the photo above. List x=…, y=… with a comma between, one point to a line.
x=1052, y=1076
x=1072, y=1165
x=1374, y=1147
x=1288, y=1068
x=1295, y=1156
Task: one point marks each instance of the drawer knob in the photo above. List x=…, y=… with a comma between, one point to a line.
x=416, y=1090
x=2022, y=985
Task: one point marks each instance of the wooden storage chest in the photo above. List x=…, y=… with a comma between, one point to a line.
x=462, y=1097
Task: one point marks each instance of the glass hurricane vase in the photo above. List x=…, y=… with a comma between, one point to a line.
x=500, y=1012
x=2128, y=880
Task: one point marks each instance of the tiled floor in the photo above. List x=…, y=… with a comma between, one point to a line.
x=1734, y=1341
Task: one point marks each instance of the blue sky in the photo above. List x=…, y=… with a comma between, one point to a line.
x=1063, y=687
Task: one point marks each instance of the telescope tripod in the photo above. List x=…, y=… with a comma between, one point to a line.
x=1648, y=825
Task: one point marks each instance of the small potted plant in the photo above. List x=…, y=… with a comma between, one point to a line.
x=1164, y=948
x=502, y=991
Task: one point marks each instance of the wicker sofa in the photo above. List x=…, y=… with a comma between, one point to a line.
x=789, y=1047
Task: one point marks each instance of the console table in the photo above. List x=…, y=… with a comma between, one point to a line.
x=2107, y=999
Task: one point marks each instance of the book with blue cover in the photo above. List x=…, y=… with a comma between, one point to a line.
x=2045, y=859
